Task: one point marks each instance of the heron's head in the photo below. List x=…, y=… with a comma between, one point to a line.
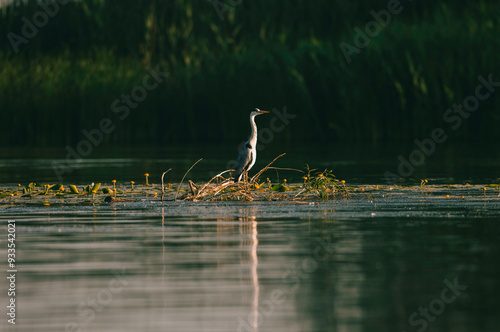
x=257, y=111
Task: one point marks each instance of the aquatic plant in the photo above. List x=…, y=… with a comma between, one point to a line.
x=106, y=190
x=316, y=185
x=322, y=184
x=73, y=189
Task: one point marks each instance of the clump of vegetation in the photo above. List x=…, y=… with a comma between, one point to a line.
x=316, y=185
x=322, y=184
x=223, y=187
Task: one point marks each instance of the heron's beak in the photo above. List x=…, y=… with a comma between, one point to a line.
x=264, y=112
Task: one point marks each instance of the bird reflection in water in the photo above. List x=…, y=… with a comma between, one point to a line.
x=248, y=228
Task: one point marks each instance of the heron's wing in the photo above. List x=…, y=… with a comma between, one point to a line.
x=244, y=159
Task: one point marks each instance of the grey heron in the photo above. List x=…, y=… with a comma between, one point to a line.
x=248, y=152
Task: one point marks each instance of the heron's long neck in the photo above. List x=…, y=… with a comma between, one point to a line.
x=253, y=135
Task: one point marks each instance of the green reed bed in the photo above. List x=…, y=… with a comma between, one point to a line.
x=397, y=88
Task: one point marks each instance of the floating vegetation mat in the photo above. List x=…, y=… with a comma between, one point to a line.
x=315, y=186
x=112, y=193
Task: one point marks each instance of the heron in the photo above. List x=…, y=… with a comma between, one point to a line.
x=248, y=152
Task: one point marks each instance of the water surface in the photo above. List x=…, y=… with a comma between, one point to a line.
x=269, y=266
x=357, y=164
x=364, y=263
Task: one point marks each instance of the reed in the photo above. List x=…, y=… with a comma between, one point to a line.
x=396, y=89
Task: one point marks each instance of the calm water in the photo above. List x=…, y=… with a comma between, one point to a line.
x=358, y=164
x=398, y=264
x=332, y=266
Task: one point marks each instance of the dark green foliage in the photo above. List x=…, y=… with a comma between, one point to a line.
x=263, y=54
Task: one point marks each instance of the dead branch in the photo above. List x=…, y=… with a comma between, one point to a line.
x=259, y=173
x=177, y=192
x=215, y=177
x=162, y=186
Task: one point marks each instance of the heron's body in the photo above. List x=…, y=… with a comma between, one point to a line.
x=248, y=153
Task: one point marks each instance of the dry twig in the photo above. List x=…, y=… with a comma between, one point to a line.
x=180, y=184
x=162, y=186
x=259, y=173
